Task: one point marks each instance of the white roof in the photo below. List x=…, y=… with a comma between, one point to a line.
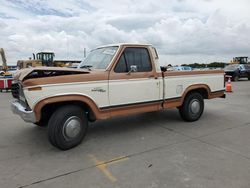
x=124, y=44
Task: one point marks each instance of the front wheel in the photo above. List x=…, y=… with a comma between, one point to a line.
x=192, y=107
x=67, y=127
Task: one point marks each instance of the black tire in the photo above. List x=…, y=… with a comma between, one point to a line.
x=41, y=124
x=59, y=124
x=194, y=100
x=236, y=78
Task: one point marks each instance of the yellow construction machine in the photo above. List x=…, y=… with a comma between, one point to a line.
x=40, y=59
x=44, y=59
x=4, y=67
x=239, y=60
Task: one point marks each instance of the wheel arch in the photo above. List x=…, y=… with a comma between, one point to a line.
x=48, y=105
x=203, y=89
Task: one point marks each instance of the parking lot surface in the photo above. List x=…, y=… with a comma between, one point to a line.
x=147, y=150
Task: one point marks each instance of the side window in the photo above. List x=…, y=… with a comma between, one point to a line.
x=134, y=56
x=121, y=65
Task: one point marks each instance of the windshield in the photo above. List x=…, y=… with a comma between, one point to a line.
x=99, y=58
x=231, y=67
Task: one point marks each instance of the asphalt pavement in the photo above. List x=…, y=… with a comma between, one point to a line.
x=150, y=150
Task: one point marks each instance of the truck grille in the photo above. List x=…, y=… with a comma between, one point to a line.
x=15, y=90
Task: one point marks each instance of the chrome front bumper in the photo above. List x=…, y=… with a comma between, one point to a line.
x=19, y=109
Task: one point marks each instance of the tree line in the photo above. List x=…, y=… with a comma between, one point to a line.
x=210, y=65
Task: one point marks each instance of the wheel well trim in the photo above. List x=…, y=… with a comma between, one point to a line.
x=209, y=93
x=195, y=88
x=67, y=98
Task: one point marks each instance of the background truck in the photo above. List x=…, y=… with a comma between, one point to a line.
x=237, y=71
x=114, y=80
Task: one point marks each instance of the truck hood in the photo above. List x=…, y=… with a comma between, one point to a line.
x=229, y=71
x=42, y=72
x=43, y=76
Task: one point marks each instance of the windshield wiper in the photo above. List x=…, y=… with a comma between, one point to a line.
x=86, y=67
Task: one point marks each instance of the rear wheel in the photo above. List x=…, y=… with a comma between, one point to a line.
x=192, y=107
x=67, y=127
x=236, y=78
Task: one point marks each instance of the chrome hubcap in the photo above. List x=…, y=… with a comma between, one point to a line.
x=71, y=128
x=195, y=106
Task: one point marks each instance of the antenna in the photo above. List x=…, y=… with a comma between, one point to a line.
x=84, y=52
x=67, y=47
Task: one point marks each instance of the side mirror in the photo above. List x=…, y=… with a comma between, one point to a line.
x=133, y=68
x=164, y=69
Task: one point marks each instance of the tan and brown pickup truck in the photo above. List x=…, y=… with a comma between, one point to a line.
x=114, y=80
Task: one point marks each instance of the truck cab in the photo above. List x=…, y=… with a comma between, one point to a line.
x=47, y=58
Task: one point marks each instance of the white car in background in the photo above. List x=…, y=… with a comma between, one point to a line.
x=183, y=68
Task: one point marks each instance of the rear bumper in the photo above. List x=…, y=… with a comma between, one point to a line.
x=19, y=109
x=223, y=96
x=217, y=94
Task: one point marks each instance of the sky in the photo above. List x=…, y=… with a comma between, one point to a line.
x=183, y=31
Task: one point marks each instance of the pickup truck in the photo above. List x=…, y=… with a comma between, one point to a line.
x=237, y=71
x=114, y=80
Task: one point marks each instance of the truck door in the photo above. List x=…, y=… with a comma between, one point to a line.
x=133, y=81
x=243, y=71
